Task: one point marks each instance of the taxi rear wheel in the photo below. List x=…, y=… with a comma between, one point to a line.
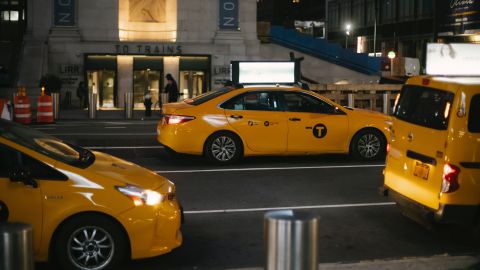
x=90, y=242
x=223, y=148
x=369, y=144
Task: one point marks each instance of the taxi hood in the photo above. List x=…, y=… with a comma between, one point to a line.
x=122, y=171
x=171, y=108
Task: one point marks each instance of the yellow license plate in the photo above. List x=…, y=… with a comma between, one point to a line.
x=421, y=170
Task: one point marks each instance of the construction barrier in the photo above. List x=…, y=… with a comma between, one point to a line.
x=22, y=112
x=45, y=109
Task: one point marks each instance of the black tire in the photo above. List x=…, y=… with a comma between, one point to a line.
x=223, y=148
x=368, y=144
x=106, y=249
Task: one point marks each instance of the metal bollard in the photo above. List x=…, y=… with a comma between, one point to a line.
x=128, y=105
x=386, y=103
x=291, y=240
x=56, y=105
x=92, y=106
x=16, y=250
x=351, y=100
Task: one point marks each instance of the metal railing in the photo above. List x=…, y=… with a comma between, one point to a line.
x=375, y=97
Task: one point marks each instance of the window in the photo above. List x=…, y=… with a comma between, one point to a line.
x=253, y=101
x=406, y=9
x=333, y=15
x=371, y=14
x=424, y=106
x=299, y=102
x=13, y=159
x=388, y=11
x=424, y=8
x=206, y=97
x=474, y=115
x=358, y=13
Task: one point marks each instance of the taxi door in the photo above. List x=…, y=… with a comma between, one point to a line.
x=21, y=202
x=313, y=124
x=258, y=119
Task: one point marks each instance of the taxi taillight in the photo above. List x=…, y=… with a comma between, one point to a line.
x=450, y=178
x=171, y=119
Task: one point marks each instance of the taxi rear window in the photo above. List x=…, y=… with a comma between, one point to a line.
x=474, y=115
x=424, y=106
x=206, y=97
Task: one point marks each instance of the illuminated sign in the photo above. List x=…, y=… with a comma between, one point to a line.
x=228, y=14
x=460, y=17
x=264, y=72
x=457, y=59
x=64, y=12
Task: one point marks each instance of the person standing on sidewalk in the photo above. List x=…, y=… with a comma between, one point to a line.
x=171, y=89
x=148, y=104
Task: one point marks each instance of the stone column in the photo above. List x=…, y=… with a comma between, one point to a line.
x=125, y=77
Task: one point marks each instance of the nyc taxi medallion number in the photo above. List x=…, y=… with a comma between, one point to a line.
x=421, y=170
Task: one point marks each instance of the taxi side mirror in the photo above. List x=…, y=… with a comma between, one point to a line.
x=23, y=175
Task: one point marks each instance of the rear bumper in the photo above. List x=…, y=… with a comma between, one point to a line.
x=446, y=213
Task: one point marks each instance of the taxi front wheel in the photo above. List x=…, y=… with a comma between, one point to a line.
x=368, y=144
x=223, y=148
x=90, y=242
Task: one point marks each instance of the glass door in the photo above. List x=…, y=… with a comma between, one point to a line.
x=102, y=83
x=145, y=81
x=192, y=83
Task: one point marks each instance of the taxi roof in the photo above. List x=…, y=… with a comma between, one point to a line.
x=458, y=80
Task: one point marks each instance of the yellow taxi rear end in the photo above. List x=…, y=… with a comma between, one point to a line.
x=433, y=162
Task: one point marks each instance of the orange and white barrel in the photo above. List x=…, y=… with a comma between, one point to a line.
x=22, y=112
x=45, y=109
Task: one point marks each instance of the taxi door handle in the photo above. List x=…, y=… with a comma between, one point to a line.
x=294, y=119
x=236, y=116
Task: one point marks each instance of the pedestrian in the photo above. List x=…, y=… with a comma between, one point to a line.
x=147, y=101
x=82, y=95
x=171, y=89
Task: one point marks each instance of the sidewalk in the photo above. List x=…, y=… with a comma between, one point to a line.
x=440, y=262
x=82, y=114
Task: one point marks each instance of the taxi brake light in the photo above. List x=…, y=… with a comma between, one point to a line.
x=450, y=178
x=177, y=119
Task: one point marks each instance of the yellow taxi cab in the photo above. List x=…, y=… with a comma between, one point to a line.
x=88, y=210
x=433, y=161
x=226, y=125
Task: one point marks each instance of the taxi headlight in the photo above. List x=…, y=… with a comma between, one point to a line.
x=141, y=196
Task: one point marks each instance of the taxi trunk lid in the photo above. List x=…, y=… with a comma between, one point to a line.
x=417, y=149
x=172, y=108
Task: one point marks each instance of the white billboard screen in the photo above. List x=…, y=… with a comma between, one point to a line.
x=266, y=72
x=453, y=59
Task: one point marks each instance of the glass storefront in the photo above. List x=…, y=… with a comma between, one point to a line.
x=101, y=79
x=147, y=77
x=194, y=72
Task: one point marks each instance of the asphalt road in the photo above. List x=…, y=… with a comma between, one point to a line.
x=224, y=205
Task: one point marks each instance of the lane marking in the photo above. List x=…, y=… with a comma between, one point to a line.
x=103, y=134
x=44, y=128
x=124, y=147
x=325, y=206
x=115, y=127
x=276, y=168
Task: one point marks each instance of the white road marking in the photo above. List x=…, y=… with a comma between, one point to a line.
x=275, y=168
x=44, y=128
x=103, y=134
x=324, y=206
x=124, y=147
x=115, y=127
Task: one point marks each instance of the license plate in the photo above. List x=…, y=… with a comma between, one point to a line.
x=421, y=170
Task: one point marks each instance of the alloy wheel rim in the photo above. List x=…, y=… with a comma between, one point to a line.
x=369, y=145
x=91, y=248
x=223, y=148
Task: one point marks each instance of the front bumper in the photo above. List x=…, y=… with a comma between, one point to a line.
x=153, y=230
x=446, y=213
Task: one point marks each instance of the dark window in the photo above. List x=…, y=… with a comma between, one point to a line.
x=424, y=106
x=206, y=97
x=474, y=115
x=12, y=159
x=254, y=101
x=300, y=102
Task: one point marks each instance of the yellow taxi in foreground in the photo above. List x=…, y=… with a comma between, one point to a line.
x=433, y=162
x=88, y=210
x=227, y=124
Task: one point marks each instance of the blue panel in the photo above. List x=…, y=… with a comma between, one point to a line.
x=330, y=52
x=228, y=14
x=64, y=12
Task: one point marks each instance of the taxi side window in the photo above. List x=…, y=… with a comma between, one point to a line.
x=12, y=158
x=253, y=101
x=474, y=115
x=299, y=102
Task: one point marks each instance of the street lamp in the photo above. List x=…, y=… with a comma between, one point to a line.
x=347, y=33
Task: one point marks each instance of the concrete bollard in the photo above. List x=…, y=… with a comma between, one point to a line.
x=291, y=240
x=16, y=246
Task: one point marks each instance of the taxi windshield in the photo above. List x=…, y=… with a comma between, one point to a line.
x=46, y=144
